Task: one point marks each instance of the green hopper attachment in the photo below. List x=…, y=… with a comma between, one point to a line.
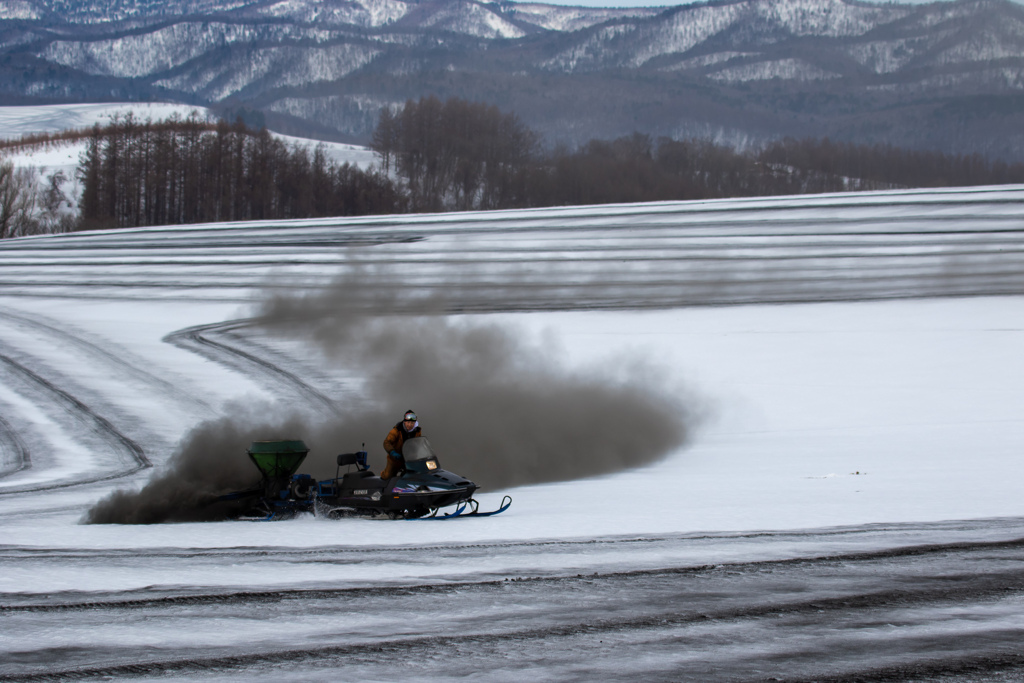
x=277, y=459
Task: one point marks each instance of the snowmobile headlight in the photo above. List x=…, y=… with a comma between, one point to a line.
x=431, y=464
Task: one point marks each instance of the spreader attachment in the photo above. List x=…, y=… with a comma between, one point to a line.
x=277, y=459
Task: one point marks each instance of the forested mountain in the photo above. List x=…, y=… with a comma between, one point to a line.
x=947, y=76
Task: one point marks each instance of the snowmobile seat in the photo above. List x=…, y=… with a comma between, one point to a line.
x=358, y=459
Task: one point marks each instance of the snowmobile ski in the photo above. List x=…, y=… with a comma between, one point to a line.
x=474, y=507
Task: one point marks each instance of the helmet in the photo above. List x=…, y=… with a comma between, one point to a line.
x=409, y=415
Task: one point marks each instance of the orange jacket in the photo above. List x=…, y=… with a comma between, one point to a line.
x=397, y=436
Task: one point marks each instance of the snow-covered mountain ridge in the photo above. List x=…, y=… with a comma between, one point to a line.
x=573, y=73
x=333, y=13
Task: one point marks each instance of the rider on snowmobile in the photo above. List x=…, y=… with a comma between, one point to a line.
x=408, y=428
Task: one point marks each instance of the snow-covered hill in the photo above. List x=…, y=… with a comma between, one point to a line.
x=16, y=122
x=63, y=158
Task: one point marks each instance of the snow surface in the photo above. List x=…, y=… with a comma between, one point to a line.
x=817, y=415
x=18, y=121
x=826, y=427
x=814, y=415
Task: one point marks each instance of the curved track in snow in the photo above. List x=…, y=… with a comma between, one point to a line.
x=62, y=421
x=215, y=341
x=116, y=362
x=93, y=430
x=14, y=455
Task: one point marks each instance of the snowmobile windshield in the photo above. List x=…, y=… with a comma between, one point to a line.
x=419, y=456
x=417, y=449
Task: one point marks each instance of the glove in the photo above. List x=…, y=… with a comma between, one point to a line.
x=396, y=455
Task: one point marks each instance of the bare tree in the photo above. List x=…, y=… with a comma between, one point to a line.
x=54, y=205
x=17, y=201
x=455, y=154
x=385, y=138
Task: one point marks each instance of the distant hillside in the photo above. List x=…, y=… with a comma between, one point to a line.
x=947, y=76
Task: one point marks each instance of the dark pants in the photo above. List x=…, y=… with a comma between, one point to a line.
x=394, y=466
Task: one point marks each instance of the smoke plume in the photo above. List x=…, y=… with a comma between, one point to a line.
x=497, y=406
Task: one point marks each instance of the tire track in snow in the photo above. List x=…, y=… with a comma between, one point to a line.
x=200, y=339
x=792, y=611
x=14, y=456
x=461, y=553
x=76, y=412
x=118, y=362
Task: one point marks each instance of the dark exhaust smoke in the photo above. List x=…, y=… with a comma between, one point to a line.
x=210, y=461
x=498, y=408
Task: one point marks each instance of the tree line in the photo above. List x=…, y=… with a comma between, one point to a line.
x=432, y=156
x=456, y=155
x=459, y=155
x=181, y=171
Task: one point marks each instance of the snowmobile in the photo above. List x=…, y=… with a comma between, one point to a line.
x=420, y=490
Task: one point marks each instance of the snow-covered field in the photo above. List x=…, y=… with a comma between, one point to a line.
x=847, y=505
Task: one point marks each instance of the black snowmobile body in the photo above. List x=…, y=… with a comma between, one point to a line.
x=418, y=490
